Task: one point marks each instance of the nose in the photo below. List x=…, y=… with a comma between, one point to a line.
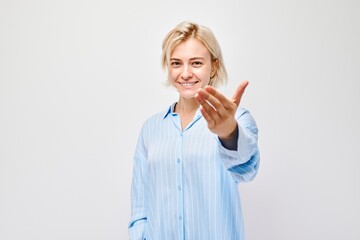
x=186, y=73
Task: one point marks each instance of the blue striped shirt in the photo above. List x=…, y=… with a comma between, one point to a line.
x=184, y=182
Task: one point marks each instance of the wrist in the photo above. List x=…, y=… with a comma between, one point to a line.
x=230, y=141
x=231, y=133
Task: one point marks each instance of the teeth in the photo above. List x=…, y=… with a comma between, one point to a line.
x=187, y=84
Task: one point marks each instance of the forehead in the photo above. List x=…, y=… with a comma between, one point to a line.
x=189, y=49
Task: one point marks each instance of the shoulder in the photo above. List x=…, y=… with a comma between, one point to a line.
x=242, y=113
x=244, y=117
x=154, y=119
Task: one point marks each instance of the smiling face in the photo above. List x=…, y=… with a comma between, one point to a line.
x=190, y=67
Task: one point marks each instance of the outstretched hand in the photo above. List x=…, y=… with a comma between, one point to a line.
x=219, y=111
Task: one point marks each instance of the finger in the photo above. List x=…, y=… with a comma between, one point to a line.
x=214, y=101
x=226, y=103
x=210, y=121
x=239, y=92
x=208, y=107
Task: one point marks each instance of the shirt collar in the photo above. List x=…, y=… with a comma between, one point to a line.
x=170, y=110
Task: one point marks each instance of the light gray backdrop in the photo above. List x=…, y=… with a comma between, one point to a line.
x=79, y=77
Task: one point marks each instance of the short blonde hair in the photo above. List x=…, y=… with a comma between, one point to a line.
x=187, y=30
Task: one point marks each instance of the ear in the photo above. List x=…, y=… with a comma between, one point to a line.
x=214, y=68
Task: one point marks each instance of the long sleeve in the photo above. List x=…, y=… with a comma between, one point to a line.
x=184, y=182
x=138, y=193
x=243, y=163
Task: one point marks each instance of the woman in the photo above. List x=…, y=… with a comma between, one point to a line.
x=189, y=158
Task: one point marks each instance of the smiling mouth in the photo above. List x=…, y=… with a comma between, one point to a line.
x=188, y=84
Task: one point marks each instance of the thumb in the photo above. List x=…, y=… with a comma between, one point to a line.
x=239, y=92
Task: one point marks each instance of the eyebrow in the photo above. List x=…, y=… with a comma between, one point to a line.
x=192, y=59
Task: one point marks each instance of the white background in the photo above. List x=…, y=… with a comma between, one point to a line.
x=79, y=77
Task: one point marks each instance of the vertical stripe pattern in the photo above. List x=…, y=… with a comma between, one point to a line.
x=184, y=183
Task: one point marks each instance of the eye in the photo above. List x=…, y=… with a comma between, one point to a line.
x=197, y=64
x=175, y=64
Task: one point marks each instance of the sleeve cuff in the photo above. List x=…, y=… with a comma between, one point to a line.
x=137, y=230
x=245, y=149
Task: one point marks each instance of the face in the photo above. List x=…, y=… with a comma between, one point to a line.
x=190, y=67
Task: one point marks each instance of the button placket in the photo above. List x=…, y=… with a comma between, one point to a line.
x=179, y=184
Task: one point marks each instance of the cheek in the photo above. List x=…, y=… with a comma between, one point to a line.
x=173, y=74
x=203, y=74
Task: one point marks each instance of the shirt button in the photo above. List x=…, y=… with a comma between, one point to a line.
x=179, y=187
x=180, y=218
x=178, y=161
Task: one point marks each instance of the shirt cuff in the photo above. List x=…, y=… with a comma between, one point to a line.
x=137, y=230
x=246, y=146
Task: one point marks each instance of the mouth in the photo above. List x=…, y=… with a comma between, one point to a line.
x=188, y=84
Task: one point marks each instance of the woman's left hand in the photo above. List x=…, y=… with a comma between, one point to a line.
x=219, y=111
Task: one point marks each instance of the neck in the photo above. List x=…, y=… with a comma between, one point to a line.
x=186, y=106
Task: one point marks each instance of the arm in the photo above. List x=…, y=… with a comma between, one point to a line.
x=235, y=128
x=243, y=162
x=138, y=193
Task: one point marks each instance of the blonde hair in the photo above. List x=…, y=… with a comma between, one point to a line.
x=187, y=30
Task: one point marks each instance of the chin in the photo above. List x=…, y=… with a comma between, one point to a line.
x=188, y=94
